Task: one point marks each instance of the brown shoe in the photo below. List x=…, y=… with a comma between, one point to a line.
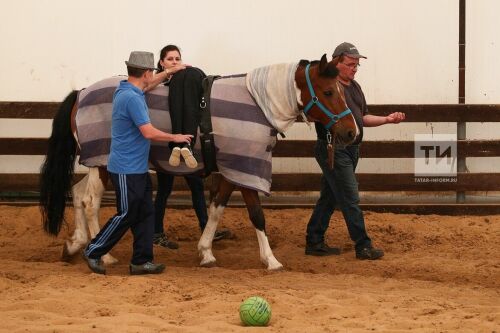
x=369, y=253
x=162, y=240
x=223, y=234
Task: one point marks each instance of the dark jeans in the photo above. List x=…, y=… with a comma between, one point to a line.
x=338, y=187
x=165, y=184
x=134, y=203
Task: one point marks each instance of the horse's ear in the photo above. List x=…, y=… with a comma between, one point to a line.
x=328, y=69
x=335, y=61
x=323, y=64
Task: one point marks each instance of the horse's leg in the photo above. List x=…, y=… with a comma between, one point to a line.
x=214, y=215
x=80, y=235
x=256, y=215
x=91, y=201
x=213, y=182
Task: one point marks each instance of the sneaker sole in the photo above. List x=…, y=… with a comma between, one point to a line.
x=175, y=157
x=189, y=158
x=369, y=258
x=321, y=254
x=97, y=270
x=143, y=272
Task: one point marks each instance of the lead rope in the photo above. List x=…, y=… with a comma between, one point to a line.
x=330, y=147
x=331, y=143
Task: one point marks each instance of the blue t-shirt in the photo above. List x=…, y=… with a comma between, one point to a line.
x=129, y=148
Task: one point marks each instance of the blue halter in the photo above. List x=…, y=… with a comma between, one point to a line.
x=334, y=118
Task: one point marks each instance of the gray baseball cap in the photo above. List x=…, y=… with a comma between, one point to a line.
x=142, y=60
x=347, y=49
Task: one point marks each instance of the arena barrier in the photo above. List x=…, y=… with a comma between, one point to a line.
x=404, y=183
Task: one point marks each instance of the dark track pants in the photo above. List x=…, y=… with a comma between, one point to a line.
x=135, y=211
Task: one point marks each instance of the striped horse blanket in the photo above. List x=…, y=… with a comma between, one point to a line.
x=275, y=91
x=244, y=137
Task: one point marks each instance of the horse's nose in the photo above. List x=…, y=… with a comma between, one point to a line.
x=351, y=135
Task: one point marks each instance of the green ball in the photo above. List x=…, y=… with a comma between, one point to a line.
x=255, y=311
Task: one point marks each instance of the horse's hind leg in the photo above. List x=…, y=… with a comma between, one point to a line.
x=80, y=236
x=214, y=215
x=256, y=215
x=91, y=201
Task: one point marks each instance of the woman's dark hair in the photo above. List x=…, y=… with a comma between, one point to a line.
x=164, y=52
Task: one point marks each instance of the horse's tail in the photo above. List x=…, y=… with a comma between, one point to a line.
x=56, y=172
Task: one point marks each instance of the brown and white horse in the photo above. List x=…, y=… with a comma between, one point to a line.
x=319, y=96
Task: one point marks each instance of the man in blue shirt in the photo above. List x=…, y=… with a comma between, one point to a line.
x=131, y=132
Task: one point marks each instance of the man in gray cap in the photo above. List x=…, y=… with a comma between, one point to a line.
x=131, y=132
x=339, y=185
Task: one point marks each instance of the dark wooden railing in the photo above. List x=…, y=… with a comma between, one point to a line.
x=296, y=182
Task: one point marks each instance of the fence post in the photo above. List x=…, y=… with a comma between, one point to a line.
x=461, y=160
x=461, y=126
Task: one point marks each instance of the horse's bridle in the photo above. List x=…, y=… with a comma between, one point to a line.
x=334, y=118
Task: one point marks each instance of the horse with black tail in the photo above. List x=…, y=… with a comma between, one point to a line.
x=56, y=183
x=247, y=112
x=57, y=169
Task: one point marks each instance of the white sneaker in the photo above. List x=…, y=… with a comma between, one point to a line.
x=175, y=157
x=189, y=158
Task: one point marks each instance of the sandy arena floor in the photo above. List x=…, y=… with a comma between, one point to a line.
x=440, y=274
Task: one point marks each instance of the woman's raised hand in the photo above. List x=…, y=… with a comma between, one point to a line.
x=176, y=68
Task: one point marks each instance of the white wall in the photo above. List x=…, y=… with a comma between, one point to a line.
x=483, y=52
x=483, y=71
x=52, y=46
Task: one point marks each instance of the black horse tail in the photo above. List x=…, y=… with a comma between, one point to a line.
x=57, y=170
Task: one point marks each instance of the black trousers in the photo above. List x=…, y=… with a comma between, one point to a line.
x=184, y=98
x=165, y=185
x=134, y=203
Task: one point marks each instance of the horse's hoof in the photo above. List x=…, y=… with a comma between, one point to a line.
x=208, y=264
x=108, y=259
x=274, y=266
x=276, y=269
x=66, y=256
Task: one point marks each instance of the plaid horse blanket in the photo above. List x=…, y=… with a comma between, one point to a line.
x=244, y=138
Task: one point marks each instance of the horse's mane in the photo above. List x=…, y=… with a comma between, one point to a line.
x=331, y=71
x=303, y=62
